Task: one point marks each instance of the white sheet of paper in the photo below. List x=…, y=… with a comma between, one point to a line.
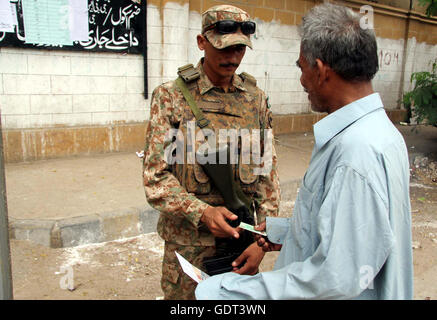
x=193, y=272
x=78, y=20
x=14, y=14
x=46, y=22
x=6, y=17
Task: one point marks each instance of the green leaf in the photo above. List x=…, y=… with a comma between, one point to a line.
x=417, y=98
x=427, y=95
x=423, y=98
x=407, y=99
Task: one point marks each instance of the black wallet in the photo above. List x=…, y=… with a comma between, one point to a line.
x=216, y=265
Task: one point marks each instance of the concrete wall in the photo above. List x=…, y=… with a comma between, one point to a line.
x=407, y=43
x=64, y=103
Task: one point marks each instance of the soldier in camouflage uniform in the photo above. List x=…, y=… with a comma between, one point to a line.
x=192, y=212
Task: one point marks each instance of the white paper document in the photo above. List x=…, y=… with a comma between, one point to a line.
x=55, y=22
x=6, y=16
x=191, y=271
x=46, y=22
x=78, y=20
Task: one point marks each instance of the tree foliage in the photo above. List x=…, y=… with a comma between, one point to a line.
x=431, y=7
x=422, y=100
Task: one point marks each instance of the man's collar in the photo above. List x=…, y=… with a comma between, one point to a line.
x=205, y=84
x=334, y=123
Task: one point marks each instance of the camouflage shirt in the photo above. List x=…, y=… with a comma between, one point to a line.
x=181, y=210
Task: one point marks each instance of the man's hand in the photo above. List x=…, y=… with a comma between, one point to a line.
x=251, y=257
x=215, y=220
x=263, y=242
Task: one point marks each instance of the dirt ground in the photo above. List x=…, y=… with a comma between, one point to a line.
x=131, y=268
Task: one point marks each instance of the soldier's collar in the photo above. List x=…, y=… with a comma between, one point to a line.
x=237, y=81
x=205, y=84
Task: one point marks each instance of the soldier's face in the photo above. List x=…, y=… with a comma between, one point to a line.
x=222, y=62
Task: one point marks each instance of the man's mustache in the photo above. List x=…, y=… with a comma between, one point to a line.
x=230, y=64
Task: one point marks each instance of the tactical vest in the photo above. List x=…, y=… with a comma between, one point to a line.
x=233, y=110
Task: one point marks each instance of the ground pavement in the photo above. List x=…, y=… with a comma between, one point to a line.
x=91, y=213
x=74, y=201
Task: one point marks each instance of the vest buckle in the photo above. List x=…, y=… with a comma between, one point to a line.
x=188, y=73
x=202, y=123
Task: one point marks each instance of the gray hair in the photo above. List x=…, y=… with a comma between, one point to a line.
x=332, y=33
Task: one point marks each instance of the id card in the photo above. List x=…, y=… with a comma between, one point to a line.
x=251, y=228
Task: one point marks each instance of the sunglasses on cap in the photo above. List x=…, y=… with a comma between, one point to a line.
x=231, y=26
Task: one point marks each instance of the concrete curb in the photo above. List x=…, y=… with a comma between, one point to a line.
x=76, y=231
x=101, y=227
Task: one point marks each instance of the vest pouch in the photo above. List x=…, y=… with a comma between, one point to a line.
x=248, y=179
x=196, y=180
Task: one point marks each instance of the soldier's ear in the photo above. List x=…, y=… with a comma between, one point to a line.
x=201, y=42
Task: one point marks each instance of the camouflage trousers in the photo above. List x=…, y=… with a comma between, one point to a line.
x=175, y=284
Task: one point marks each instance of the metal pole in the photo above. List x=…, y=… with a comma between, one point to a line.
x=5, y=254
x=144, y=29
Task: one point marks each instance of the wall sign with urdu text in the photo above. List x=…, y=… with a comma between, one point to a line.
x=90, y=25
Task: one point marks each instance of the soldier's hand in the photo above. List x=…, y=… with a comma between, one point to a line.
x=215, y=219
x=250, y=258
x=263, y=242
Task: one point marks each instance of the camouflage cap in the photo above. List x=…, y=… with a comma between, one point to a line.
x=225, y=12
